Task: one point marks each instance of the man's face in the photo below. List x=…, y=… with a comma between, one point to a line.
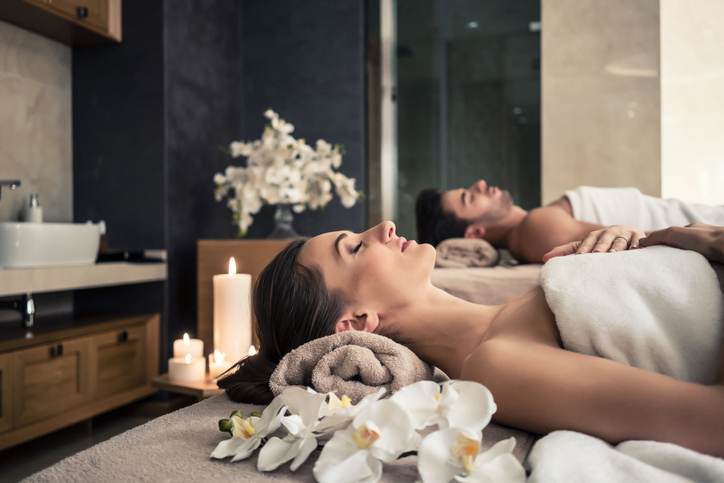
x=480, y=203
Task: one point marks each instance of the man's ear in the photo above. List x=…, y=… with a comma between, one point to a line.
x=475, y=230
x=363, y=320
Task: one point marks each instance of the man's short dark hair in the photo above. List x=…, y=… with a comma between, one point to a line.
x=433, y=223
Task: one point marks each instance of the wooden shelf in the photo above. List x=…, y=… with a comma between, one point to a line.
x=199, y=390
x=15, y=281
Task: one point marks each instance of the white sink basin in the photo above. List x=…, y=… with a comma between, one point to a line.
x=47, y=244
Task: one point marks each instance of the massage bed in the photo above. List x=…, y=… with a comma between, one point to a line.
x=176, y=447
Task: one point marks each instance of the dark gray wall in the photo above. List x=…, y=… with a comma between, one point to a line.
x=203, y=103
x=154, y=114
x=305, y=60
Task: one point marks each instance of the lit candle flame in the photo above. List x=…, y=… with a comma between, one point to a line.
x=252, y=350
x=232, y=266
x=187, y=340
x=187, y=358
x=219, y=356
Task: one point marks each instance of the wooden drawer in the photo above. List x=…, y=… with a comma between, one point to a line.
x=6, y=409
x=118, y=361
x=50, y=379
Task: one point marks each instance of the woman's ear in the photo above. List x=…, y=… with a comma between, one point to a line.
x=363, y=320
x=475, y=230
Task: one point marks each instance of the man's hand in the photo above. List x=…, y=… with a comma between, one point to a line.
x=705, y=239
x=611, y=239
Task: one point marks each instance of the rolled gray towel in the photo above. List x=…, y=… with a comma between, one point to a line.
x=351, y=362
x=465, y=253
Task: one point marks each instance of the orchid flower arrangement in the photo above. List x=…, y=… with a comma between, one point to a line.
x=282, y=170
x=359, y=439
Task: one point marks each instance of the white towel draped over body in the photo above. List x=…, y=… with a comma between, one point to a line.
x=656, y=308
x=628, y=206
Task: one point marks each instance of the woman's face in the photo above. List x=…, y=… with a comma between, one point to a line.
x=375, y=270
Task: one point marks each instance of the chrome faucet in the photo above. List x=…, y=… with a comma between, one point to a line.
x=10, y=183
x=23, y=304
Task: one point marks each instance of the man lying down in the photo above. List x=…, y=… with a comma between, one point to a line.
x=489, y=213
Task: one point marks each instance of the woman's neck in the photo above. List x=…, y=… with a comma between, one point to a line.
x=441, y=328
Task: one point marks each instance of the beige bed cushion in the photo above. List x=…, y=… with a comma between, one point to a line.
x=489, y=286
x=176, y=447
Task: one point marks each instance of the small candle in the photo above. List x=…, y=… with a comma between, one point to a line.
x=184, y=346
x=232, y=313
x=186, y=369
x=252, y=350
x=217, y=364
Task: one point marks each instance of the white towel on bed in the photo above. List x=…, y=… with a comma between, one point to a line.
x=628, y=206
x=567, y=456
x=656, y=308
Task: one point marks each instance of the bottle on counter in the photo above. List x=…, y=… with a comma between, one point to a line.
x=33, y=210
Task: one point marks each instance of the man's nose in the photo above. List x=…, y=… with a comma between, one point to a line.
x=479, y=186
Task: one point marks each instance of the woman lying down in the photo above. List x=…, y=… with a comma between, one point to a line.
x=622, y=346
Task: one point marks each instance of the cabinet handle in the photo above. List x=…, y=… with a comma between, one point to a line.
x=56, y=350
x=123, y=336
x=82, y=12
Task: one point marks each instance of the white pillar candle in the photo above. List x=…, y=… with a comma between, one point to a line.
x=184, y=346
x=217, y=364
x=232, y=313
x=186, y=369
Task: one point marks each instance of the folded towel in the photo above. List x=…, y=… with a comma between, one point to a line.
x=656, y=308
x=465, y=252
x=564, y=456
x=353, y=363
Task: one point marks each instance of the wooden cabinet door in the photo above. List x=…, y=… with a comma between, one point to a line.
x=93, y=12
x=118, y=361
x=49, y=379
x=6, y=409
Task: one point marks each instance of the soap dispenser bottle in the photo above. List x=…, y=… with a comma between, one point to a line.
x=33, y=211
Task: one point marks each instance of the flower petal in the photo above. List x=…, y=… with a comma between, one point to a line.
x=244, y=451
x=435, y=461
x=420, y=400
x=304, y=403
x=496, y=465
x=270, y=418
x=472, y=408
x=275, y=453
x=227, y=447
x=308, y=445
x=359, y=467
x=395, y=428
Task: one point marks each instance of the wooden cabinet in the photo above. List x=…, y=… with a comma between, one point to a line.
x=73, y=22
x=58, y=378
x=49, y=379
x=6, y=408
x=118, y=361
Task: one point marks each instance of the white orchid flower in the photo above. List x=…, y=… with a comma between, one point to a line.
x=247, y=433
x=380, y=433
x=340, y=411
x=453, y=454
x=458, y=404
x=306, y=408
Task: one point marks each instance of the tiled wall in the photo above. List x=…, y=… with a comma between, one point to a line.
x=692, y=100
x=600, y=95
x=35, y=122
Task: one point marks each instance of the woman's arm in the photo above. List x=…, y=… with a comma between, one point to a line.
x=542, y=388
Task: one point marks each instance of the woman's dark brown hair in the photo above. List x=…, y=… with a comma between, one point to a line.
x=292, y=306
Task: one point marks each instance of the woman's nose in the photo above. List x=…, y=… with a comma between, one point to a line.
x=385, y=231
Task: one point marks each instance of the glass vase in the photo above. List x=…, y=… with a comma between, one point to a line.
x=283, y=219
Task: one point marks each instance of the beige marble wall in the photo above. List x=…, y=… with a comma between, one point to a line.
x=600, y=95
x=692, y=100
x=35, y=123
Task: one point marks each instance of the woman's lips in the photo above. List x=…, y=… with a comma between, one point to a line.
x=406, y=244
